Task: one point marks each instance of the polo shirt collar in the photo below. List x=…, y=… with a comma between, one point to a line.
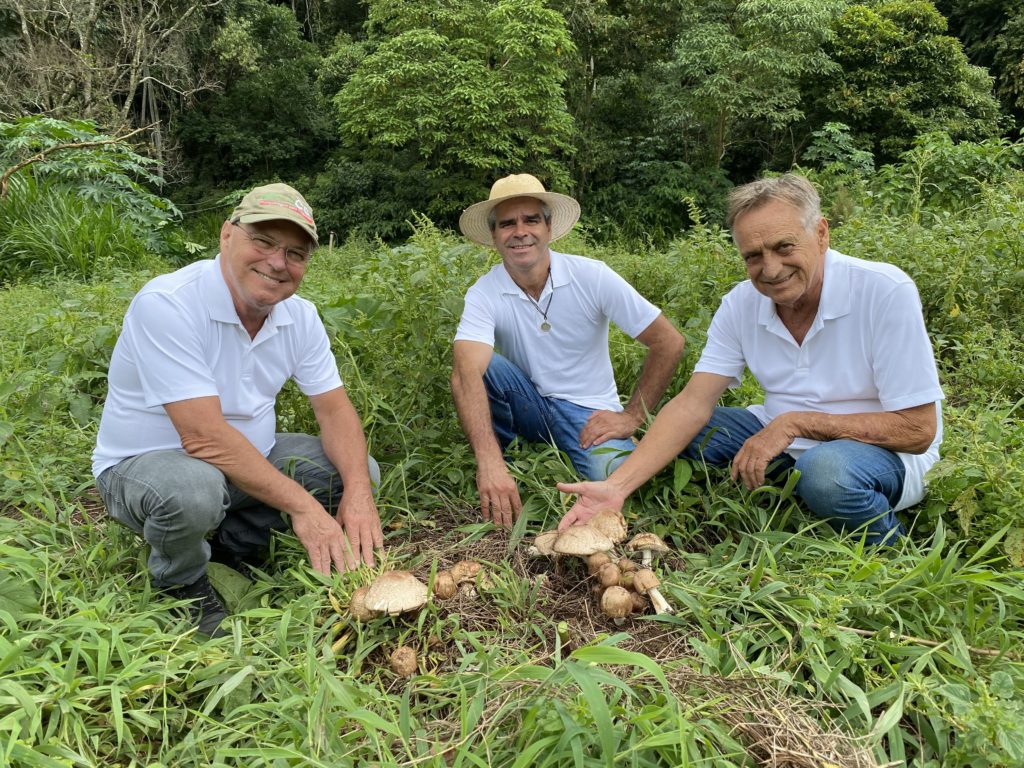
x=221, y=308
x=835, y=294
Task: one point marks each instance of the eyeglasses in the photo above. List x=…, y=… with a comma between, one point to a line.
x=268, y=246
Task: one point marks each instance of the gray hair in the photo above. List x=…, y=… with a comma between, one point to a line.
x=492, y=215
x=788, y=188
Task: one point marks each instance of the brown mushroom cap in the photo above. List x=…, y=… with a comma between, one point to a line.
x=609, y=575
x=581, y=541
x=616, y=602
x=596, y=561
x=610, y=522
x=545, y=542
x=465, y=570
x=644, y=580
x=403, y=661
x=626, y=579
x=395, y=592
x=357, y=605
x=444, y=585
x=649, y=541
x=626, y=565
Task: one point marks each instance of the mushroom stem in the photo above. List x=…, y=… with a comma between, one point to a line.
x=659, y=602
x=646, y=557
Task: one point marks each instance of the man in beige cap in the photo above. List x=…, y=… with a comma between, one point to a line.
x=548, y=315
x=187, y=443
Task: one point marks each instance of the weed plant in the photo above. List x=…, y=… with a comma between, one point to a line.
x=788, y=639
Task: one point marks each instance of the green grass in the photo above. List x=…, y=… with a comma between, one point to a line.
x=788, y=640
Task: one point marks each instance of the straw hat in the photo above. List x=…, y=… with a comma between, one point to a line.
x=564, y=210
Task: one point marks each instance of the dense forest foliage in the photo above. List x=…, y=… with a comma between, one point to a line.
x=128, y=130
x=646, y=110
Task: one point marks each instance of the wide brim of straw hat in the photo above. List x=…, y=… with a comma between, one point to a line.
x=565, y=211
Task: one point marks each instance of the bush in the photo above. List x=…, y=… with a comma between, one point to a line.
x=75, y=206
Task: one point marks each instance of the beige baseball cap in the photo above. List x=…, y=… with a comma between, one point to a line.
x=273, y=202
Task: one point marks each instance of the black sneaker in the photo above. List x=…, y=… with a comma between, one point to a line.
x=206, y=609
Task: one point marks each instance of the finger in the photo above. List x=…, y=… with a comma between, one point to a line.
x=367, y=551
x=485, y=508
x=350, y=547
x=568, y=520
x=517, y=507
x=319, y=562
x=504, y=513
x=576, y=488
x=378, y=534
x=336, y=556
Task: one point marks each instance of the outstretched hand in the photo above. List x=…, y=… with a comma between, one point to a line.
x=591, y=497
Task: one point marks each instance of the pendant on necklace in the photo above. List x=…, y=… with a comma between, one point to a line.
x=545, y=326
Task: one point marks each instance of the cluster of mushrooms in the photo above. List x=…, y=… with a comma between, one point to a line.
x=620, y=583
x=622, y=586
x=396, y=592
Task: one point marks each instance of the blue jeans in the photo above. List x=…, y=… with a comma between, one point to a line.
x=851, y=484
x=518, y=410
x=174, y=501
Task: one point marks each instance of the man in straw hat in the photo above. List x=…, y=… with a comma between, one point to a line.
x=548, y=314
x=187, y=443
x=851, y=391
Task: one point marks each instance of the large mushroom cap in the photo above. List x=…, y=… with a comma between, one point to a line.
x=581, y=541
x=610, y=522
x=396, y=592
x=648, y=541
x=545, y=542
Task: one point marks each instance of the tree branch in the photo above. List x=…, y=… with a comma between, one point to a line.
x=42, y=155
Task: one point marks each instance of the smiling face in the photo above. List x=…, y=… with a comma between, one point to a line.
x=785, y=261
x=257, y=282
x=521, y=236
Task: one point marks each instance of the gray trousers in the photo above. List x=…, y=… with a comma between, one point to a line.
x=174, y=501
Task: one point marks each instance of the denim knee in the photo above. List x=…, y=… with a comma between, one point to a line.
x=603, y=459
x=852, y=485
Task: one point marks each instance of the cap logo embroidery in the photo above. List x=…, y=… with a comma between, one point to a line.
x=297, y=207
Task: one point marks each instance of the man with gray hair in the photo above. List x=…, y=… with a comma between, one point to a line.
x=839, y=346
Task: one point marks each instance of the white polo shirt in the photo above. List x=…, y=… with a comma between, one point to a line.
x=867, y=351
x=570, y=361
x=182, y=339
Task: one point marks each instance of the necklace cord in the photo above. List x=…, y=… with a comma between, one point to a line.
x=536, y=304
